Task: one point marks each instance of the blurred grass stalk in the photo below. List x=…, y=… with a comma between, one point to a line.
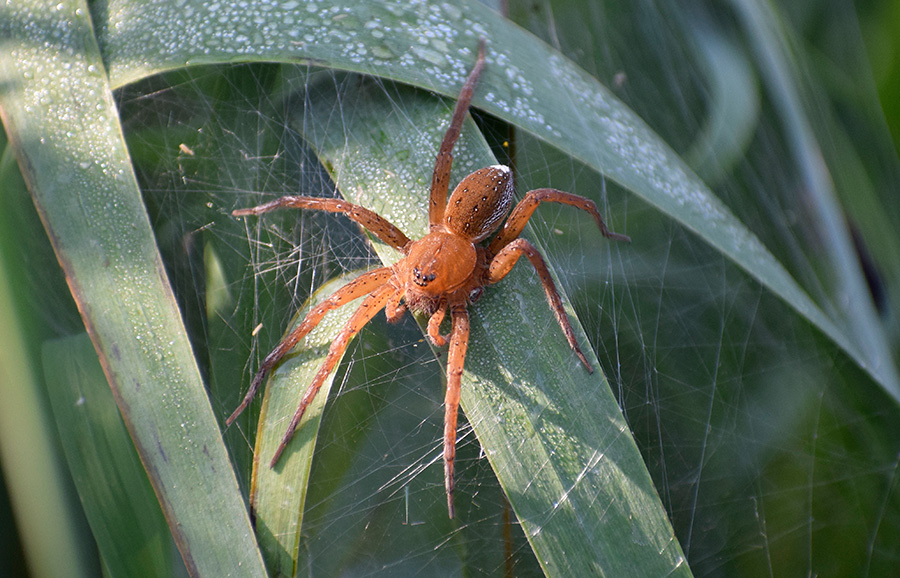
x=47, y=514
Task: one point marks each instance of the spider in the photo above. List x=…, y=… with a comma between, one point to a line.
x=447, y=269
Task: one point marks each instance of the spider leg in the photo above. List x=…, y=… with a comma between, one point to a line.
x=459, y=340
x=434, y=326
x=370, y=220
x=362, y=285
x=370, y=306
x=526, y=207
x=440, y=180
x=394, y=309
x=503, y=263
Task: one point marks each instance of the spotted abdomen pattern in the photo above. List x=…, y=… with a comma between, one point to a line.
x=480, y=202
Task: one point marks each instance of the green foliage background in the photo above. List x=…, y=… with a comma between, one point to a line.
x=765, y=415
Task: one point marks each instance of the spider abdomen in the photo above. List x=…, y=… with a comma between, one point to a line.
x=479, y=203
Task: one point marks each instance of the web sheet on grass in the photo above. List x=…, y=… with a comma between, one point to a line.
x=765, y=443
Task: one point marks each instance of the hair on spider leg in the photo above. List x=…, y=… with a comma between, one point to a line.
x=443, y=272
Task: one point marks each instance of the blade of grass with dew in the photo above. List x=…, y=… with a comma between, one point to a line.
x=62, y=122
x=521, y=85
x=125, y=517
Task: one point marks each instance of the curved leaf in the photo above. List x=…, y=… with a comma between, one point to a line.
x=278, y=495
x=521, y=85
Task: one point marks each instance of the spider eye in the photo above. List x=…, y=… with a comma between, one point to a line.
x=421, y=278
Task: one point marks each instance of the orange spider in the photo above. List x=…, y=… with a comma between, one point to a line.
x=446, y=269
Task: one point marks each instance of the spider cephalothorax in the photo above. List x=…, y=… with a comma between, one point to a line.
x=446, y=269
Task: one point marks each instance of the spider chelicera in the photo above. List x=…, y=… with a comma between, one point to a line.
x=445, y=269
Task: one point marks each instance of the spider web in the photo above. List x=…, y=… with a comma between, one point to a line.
x=771, y=452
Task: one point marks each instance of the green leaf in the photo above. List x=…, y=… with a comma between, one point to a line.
x=52, y=531
x=735, y=105
x=856, y=315
x=119, y=502
x=768, y=448
x=521, y=85
x=62, y=122
x=278, y=494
